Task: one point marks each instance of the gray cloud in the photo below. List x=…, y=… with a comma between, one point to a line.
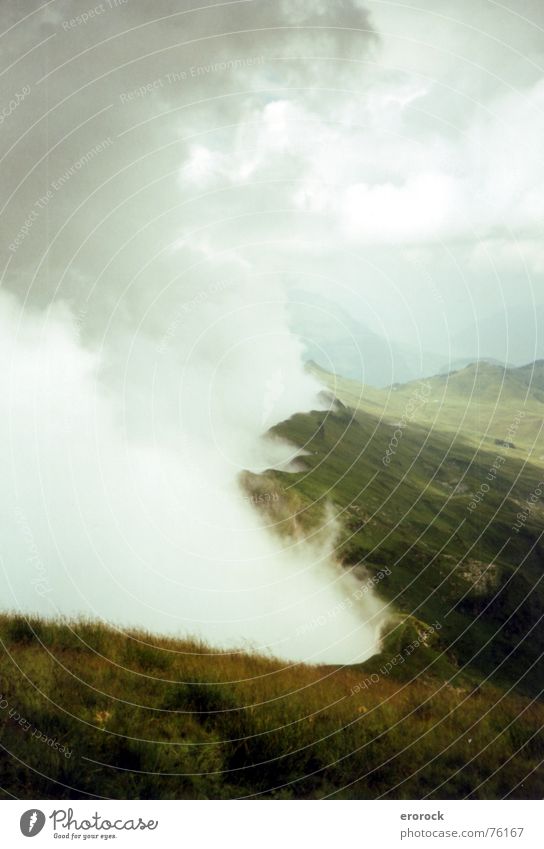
x=150, y=324
x=171, y=172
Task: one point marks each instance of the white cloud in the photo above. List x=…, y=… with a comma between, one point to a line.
x=323, y=160
x=124, y=507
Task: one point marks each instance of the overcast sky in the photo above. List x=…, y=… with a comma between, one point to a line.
x=386, y=154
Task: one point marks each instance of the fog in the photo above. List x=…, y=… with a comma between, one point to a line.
x=174, y=177
x=151, y=530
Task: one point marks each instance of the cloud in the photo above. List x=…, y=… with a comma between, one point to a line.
x=147, y=346
x=148, y=532
x=255, y=146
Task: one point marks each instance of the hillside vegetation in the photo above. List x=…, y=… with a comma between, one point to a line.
x=444, y=516
x=481, y=401
x=445, y=524
x=88, y=712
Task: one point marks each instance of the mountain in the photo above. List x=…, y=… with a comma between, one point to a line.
x=532, y=375
x=463, y=362
x=443, y=525
x=514, y=335
x=338, y=342
x=153, y=718
x=484, y=401
x=451, y=706
x=343, y=343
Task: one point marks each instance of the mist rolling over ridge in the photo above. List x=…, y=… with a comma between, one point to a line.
x=148, y=351
x=174, y=195
x=272, y=410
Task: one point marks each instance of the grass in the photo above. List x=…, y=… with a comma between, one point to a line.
x=155, y=718
x=450, y=708
x=467, y=569
x=481, y=402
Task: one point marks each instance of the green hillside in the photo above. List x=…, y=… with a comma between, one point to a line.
x=443, y=515
x=87, y=712
x=483, y=401
x=447, y=527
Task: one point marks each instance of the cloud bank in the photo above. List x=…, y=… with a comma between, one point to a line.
x=171, y=175
x=148, y=344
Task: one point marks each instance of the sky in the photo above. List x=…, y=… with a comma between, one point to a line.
x=172, y=173
x=387, y=154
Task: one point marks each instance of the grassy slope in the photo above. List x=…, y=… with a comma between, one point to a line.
x=459, y=716
x=469, y=570
x=481, y=401
x=178, y=721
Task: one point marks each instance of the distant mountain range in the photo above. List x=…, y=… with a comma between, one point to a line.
x=345, y=345
x=490, y=381
x=440, y=481
x=463, y=362
x=340, y=343
x=514, y=335
x=487, y=402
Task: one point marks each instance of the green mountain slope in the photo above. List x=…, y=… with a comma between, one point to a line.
x=483, y=401
x=448, y=528
x=88, y=712
x=444, y=516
